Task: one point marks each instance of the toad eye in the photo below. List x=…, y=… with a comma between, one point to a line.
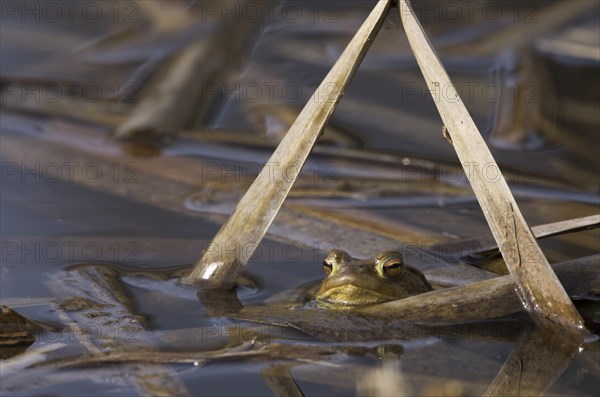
x=327, y=267
x=392, y=264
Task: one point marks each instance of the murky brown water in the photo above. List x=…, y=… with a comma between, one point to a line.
x=383, y=177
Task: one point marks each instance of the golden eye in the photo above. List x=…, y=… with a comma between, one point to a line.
x=392, y=264
x=327, y=267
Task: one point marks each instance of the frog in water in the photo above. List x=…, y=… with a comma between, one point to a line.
x=354, y=282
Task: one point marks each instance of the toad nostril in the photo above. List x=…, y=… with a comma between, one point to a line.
x=363, y=267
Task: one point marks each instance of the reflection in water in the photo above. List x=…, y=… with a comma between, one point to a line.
x=279, y=380
x=102, y=312
x=538, y=359
x=387, y=380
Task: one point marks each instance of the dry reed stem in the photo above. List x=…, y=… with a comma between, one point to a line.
x=236, y=241
x=539, y=289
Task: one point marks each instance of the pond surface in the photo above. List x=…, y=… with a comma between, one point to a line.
x=381, y=178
